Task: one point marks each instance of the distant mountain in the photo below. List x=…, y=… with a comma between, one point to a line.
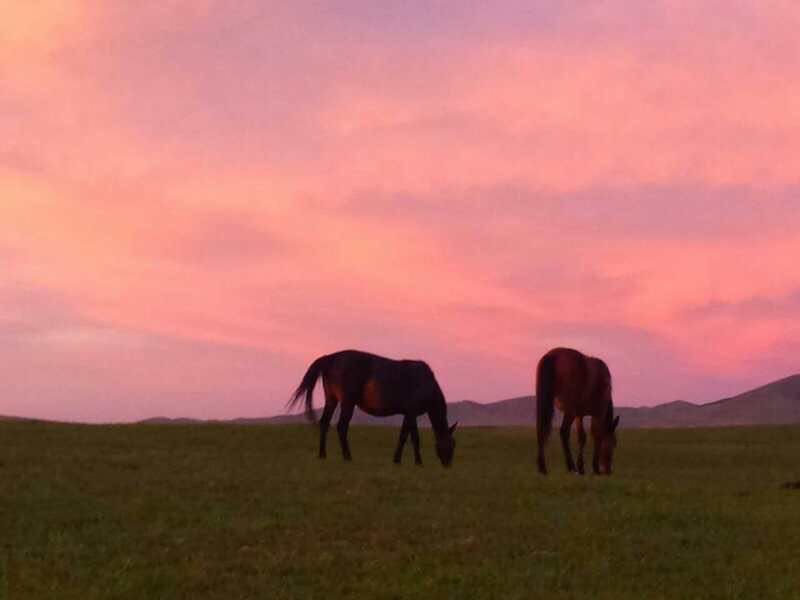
x=776, y=403
x=515, y=411
x=773, y=404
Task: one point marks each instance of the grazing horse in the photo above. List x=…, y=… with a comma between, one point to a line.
x=579, y=386
x=380, y=387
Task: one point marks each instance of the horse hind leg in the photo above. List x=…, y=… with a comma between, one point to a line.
x=343, y=425
x=566, y=426
x=398, y=454
x=541, y=443
x=324, y=424
x=542, y=435
x=581, y=444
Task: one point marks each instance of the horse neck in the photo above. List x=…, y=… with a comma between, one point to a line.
x=607, y=416
x=610, y=409
x=438, y=416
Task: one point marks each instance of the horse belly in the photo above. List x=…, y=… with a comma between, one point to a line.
x=373, y=402
x=572, y=405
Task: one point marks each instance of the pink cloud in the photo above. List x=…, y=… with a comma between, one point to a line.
x=214, y=196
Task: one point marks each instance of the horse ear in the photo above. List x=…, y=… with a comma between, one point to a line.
x=453, y=428
x=614, y=424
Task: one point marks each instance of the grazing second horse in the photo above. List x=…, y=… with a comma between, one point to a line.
x=579, y=386
x=380, y=387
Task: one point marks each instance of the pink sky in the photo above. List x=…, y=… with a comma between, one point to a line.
x=198, y=198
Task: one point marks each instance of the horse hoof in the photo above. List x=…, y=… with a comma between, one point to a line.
x=418, y=463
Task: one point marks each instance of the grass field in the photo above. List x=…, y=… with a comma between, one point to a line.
x=250, y=512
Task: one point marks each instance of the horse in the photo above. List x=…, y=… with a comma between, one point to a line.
x=579, y=386
x=380, y=387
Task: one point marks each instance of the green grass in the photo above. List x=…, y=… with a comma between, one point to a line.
x=250, y=512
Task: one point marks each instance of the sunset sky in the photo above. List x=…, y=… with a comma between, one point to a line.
x=198, y=198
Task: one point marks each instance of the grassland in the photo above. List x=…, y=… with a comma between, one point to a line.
x=249, y=512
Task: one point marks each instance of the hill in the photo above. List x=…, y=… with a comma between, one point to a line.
x=10, y=418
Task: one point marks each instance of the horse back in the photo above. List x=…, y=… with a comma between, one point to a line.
x=580, y=382
x=380, y=386
x=347, y=373
x=401, y=387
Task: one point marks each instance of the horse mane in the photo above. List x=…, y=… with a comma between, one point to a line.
x=607, y=385
x=605, y=371
x=438, y=409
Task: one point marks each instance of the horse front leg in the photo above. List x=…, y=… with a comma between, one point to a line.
x=324, y=423
x=398, y=454
x=581, y=444
x=566, y=426
x=596, y=454
x=596, y=442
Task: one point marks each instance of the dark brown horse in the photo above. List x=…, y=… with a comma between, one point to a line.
x=579, y=386
x=380, y=387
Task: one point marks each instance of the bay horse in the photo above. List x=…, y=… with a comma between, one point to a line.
x=380, y=387
x=579, y=386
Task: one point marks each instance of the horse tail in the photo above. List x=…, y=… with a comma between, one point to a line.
x=307, y=385
x=545, y=376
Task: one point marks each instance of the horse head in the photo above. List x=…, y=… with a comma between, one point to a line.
x=446, y=445
x=608, y=443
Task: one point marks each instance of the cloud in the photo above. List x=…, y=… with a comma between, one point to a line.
x=220, y=241
x=759, y=307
